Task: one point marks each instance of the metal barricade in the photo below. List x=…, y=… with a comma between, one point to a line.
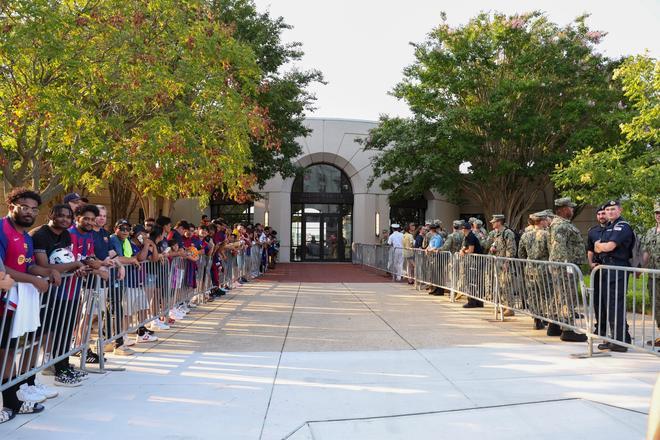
x=625, y=308
x=431, y=268
x=28, y=346
x=474, y=276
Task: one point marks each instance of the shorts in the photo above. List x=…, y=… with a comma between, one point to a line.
x=5, y=330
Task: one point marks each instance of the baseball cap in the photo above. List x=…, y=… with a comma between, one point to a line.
x=72, y=197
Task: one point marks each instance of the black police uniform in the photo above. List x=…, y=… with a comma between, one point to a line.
x=594, y=234
x=620, y=232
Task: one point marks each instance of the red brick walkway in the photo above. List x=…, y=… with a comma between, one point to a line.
x=322, y=273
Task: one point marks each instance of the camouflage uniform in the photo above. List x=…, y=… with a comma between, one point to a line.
x=453, y=243
x=565, y=245
x=651, y=245
x=504, y=242
x=534, y=246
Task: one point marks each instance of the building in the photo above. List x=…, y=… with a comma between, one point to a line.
x=319, y=215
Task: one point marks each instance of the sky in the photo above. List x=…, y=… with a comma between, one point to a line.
x=362, y=46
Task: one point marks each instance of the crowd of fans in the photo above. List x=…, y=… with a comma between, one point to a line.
x=48, y=267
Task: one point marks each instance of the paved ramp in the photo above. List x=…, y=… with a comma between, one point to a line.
x=272, y=356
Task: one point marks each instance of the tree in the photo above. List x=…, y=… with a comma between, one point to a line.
x=496, y=104
x=283, y=95
x=44, y=126
x=630, y=170
x=176, y=100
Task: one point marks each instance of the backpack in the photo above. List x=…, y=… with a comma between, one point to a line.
x=516, y=236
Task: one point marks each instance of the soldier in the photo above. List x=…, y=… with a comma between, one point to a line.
x=566, y=246
x=470, y=245
x=504, y=245
x=651, y=260
x=479, y=231
x=455, y=239
x=534, y=246
x=593, y=235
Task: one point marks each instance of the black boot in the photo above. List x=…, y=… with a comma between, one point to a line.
x=553, y=330
x=538, y=324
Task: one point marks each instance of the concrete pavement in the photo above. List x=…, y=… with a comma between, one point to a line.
x=351, y=360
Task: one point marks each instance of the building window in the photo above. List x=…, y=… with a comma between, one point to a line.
x=231, y=211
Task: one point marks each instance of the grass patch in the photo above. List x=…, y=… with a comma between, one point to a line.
x=637, y=294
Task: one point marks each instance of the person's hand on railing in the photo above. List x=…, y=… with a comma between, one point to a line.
x=102, y=273
x=121, y=272
x=82, y=271
x=54, y=277
x=41, y=284
x=6, y=281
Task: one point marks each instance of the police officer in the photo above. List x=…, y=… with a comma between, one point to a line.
x=593, y=235
x=615, y=247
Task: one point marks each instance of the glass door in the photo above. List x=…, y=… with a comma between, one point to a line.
x=331, y=237
x=313, y=237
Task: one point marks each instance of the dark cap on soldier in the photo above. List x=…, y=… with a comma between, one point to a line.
x=465, y=225
x=612, y=203
x=565, y=201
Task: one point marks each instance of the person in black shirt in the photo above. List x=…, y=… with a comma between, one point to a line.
x=61, y=306
x=471, y=245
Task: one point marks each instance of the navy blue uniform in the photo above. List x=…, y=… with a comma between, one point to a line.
x=619, y=232
x=596, y=233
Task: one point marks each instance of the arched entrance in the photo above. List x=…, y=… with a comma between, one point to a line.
x=321, y=215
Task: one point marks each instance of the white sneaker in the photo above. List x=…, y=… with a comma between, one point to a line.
x=176, y=314
x=146, y=338
x=27, y=393
x=128, y=342
x=161, y=325
x=45, y=390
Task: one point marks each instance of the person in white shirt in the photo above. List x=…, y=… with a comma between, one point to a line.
x=395, y=240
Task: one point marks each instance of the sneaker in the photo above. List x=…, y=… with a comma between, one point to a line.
x=128, y=342
x=45, y=390
x=160, y=325
x=27, y=393
x=146, y=338
x=123, y=351
x=31, y=407
x=6, y=415
x=80, y=374
x=65, y=379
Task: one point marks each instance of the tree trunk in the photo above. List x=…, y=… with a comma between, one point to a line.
x=122, y=200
